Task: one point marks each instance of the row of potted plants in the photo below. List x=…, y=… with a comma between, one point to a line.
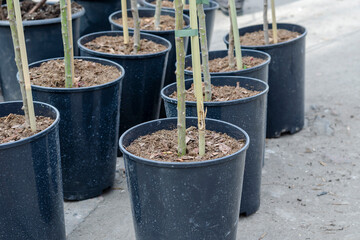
x=91, y=116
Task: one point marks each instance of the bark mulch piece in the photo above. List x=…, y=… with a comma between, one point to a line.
x=115, y=45
x=169, y=4
x=167, y=23
x=46, y=11
x=13, y=127
x=222, y=64
x=220, y=93
x=162, y=146
x=87, y=73
x=257, y=38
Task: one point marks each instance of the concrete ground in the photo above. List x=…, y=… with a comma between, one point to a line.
x=310, y=185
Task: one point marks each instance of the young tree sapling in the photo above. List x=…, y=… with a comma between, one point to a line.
x=266, y=24
x=17, y=33
x=136, y=36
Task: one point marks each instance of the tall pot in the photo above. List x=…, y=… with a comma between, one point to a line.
x=145, y=73
x=184, y=200
x=31, y=198
x=286, y=103
x=248, y=113
x=39, y=35
x=88, y=132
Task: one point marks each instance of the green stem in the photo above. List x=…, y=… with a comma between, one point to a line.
x=67, y=44
x=204, y=52
x=235, y=30
x=180, y=79
x=157, y=15
x=266, y=23
x=195, y=54
x=135, y=15
x=15, y=38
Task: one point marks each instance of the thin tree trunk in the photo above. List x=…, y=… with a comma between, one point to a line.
x=180, y=79
x=15, y=38
x=135, y=15
x=195, y=53
x=266, y=23
x=274, y=25
x=235, y=31
x=157, y=15
x=231, y=55
x=37, y=6
x=24, y=62
x=125, y=21
x=67, y=44
x=204, y=52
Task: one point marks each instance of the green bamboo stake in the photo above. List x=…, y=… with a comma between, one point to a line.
x=15, y=38
x=180, y=79
x=274, y=25
x=266, y=23
x=235, y=34
x=204, y=52
x=157, y=15
x=22, y=57
x=69, y=78
x=135, y=15
x=70, y=31
x=125, y=21
x=195, y=54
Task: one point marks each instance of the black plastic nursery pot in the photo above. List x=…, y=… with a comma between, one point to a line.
x=247, y=113
x=95, y=19
x=258, y=72
x=43, y=40
x=31, y=198
x=209, y=9
x=169, y=35
x=140, y=97
x=286, y=101
x=196, y=200
x=88, y=132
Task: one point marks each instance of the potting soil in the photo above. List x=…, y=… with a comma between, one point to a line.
x=148, y=23
x=258, y=39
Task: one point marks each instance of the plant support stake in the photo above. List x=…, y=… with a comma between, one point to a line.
x=157, y=15
x=204, y=51
x=67, y=44
x=274, y=25
x=266, y=24
x=180, y=79
x=135, y=14
x=125, y=21
x=195, y=54
x=21, y=56
x=69, y=22
x=235, y=31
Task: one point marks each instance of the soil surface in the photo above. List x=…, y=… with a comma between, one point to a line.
x=116, y=45
x=13, y=127
x=220, y=93
x=169, y=4
x=148, y=23
x=46, y=11
x=222, y=64
x=162, y=146
x=257, y=38
x=52, y=74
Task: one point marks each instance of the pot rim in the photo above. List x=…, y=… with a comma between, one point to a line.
x=222, y=103
x=31, y=23
x=82, y=89
x=270, y=46
x=38, y=135
x=120, y=33
x=209, y=7
x=248, y=70
x=111, y=20
x=183, y=164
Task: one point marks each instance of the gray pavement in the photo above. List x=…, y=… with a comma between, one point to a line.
x=310, y=185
